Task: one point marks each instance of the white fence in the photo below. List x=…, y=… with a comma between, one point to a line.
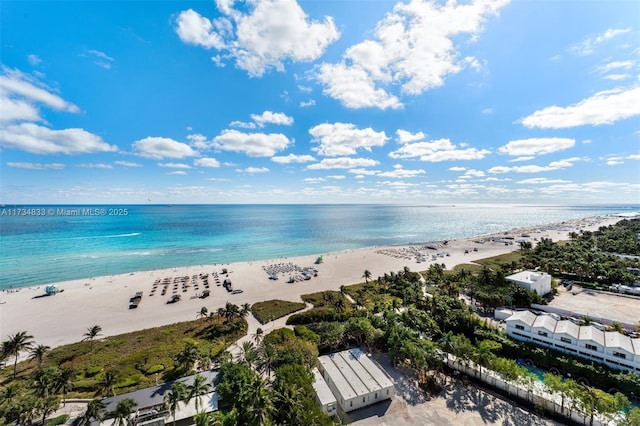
x=534, y=391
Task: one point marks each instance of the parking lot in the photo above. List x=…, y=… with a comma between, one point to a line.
x=458, y=404
x=616, y=307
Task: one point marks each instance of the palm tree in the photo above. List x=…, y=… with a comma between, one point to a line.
x=366, y=276
x=174, y=397
x=616, y=326
x=47, y=406
x=21, y=341
x=198, y=388
x=203, y=312
x=257, y=337
x=95, y=410
x=340, y=305
x=108, y=382
x=38, y=353
x=259, y=402
x=92, y=333
x=267, y=358
x=246, y=308
x=63, y=382
x=187, y=357
x=123, y=411
x=249, y=353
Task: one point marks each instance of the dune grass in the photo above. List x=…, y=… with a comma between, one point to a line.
x=273, y=309
x=138, y=358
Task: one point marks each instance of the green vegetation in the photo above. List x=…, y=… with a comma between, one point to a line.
x=273, y=309
x=271, y=385
x=111, y=365
x=588, y=257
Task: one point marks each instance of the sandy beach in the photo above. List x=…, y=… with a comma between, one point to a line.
x=104, y=301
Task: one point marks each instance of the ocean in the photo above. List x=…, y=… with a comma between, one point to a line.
x=46, y=244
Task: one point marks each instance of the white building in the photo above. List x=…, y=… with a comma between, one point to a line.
x=539, y=282
x=324, y=396
x=608, y=347
x=355, y=380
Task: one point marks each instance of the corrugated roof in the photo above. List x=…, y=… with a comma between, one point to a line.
x=342, y=385
x=354, y=374
x=322, y=389
x=346, y=368
x=376, y=372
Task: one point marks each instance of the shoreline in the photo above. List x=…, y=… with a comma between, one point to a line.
x=64, y=318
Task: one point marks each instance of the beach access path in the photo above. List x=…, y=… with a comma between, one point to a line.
x=65, y=317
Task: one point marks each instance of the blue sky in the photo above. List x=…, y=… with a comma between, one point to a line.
x=285, y=101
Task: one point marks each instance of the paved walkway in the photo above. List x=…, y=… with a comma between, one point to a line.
x=254, y=324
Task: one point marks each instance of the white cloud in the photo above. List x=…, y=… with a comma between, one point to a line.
x=354, y=88
x=617, y=77
x=269, y=117
x=615, y=65
x=536, y=146
x=472, y=173
x=617, y=160
x=15, y=83
x=198, y=30
x=198, y=141
x=413, y=48
x=14, y=110
x=292, y=158
x=604, y=107
x=344, y=139
x=555, y=165
x=100, y=58
x=266, y=35
x=336, y=177
x=364, y=172
x=159, y=148
x=177, y=173
x=314, y=180
x=37, y=139
x=174, y=165
x=206, y=162
x=343, y=163
x=253, y=170
x=405, y=136
x=251, y=144
x=541, y=181
x=127, y=164
x=34, y=59
x=310, y=102
x=487, y=111
x=95, y=166
x=587, y=46
x=399, y=173
x=243, y=124
x=438, y=150
x=457, y=169
x=36, y=166
x=521, y=159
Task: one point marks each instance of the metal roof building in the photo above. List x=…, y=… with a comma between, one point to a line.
x=324, y=396
x=355, y=380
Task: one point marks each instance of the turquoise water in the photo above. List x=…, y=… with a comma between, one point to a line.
x=68, y=243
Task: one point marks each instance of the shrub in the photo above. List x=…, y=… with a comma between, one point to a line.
x=60, y=420
x=92, y=371
x=273, y=309
x=155, y=369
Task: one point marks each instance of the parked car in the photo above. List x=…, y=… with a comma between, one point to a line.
x=236, y=291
